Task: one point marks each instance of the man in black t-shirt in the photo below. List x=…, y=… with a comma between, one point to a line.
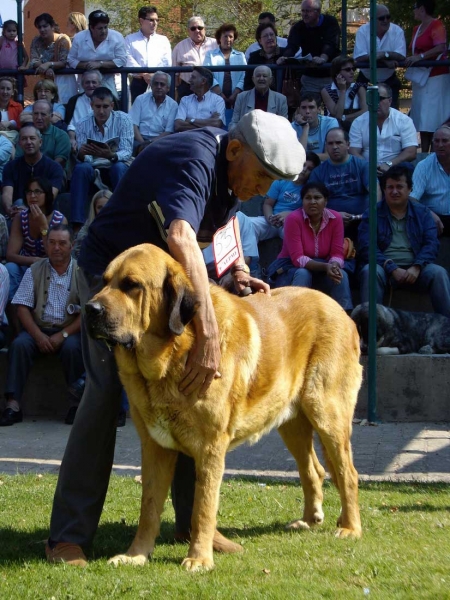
x=190, y=180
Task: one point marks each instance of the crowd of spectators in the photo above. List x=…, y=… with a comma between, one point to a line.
x=63, y=155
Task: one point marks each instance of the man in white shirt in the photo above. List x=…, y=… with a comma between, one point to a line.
x=146, y=48
x=391, y=48
x=191, y=52
x=263, y=19
x=153, y=114
x=98, y=48
x=396, y=135
x=79, y=106
x=202, y=108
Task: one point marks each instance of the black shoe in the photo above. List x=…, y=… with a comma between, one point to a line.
x=122, y=418
x=70, y=417
x=10, y=417
x=77, y=388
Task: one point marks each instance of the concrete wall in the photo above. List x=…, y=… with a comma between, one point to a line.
x=409, y=388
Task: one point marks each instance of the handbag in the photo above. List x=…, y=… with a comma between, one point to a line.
x=418, y=75
x=291, y=88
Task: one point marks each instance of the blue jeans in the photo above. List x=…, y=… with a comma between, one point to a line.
x=16, y=273
x=21, y=355
x=82, y=177
x=432, y=279
x=318, y=281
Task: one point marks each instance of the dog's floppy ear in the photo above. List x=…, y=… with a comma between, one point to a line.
x=181, y=302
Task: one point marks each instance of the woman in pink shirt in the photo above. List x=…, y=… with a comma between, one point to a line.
x=313, y=248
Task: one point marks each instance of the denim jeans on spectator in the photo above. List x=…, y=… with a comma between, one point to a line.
x=318, y=281
x=16, y=273
x=432, y=279
x=24, y=349
x=82, y=177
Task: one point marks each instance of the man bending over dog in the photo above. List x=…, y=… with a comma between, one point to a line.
x=193, y=192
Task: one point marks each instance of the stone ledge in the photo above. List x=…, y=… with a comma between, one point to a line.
x=410, y=388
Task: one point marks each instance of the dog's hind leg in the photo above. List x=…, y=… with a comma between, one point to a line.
x=297, y=434
x=209, y=467
x=335, y=433
x=158, y=466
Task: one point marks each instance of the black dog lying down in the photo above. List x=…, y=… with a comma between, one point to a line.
x=403, y=332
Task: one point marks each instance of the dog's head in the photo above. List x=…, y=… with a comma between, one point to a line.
x=385, y=322
x=145, y=290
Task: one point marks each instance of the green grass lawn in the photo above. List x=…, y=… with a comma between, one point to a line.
x=404, y=552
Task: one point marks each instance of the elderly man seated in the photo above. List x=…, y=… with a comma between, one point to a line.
x=396, y=135
x=46, y=290
x=261, y=96
x=202, y=108
x=431, y=180
x=407, y=245
x=153, y=114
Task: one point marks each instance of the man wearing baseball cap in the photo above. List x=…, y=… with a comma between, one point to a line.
x=176, y=194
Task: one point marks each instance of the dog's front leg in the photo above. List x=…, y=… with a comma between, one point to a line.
x=158, y=466
x=209, y=467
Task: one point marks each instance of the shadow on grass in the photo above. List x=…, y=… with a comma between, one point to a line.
x=112, y=538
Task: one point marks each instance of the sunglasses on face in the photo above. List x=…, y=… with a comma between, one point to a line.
x=384, y=18
x=384, y=98
x=197, y=28
x=348, y=69
x=152, y=20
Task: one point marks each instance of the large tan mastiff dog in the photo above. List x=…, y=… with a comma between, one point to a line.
x=289, y=361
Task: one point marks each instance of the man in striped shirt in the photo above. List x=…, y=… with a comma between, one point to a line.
x=113, y=130
x=431, y=180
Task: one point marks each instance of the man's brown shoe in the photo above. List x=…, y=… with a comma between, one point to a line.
x=220, y=542
x=65, y=552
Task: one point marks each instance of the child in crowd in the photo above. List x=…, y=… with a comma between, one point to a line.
x=9, y=47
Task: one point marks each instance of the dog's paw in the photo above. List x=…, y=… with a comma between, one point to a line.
x=124, y=559
x=297, y=525
x=343, y=532
x=197, y=564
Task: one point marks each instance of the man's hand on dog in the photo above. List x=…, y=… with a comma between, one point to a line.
x=243, y=280
x=203, y=362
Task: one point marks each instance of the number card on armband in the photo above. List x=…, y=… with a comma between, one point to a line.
x=226, y=245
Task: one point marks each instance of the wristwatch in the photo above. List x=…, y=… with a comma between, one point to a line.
x=44, y=232
x=343, y=118
x=386, y=55
x=114, y=158
x=65, y=334
x=192, y=121
x=388, y=163
x=422, y=56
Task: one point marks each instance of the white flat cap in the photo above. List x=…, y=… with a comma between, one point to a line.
x=274, y=143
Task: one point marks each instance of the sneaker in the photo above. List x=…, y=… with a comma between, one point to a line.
x=64, y=552
x=10, y=417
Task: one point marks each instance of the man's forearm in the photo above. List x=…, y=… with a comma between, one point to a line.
x=184, y=248
x=26, y=319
